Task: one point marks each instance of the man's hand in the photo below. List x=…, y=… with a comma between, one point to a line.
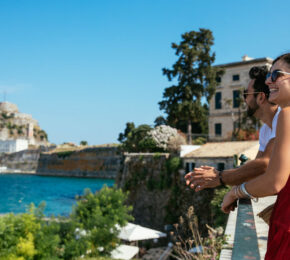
x=203, y=177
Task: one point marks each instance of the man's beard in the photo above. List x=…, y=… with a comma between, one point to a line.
x=252, y=110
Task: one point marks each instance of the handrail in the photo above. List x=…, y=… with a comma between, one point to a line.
x=246, y=241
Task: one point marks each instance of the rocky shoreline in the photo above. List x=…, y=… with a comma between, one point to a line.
x=16, y=171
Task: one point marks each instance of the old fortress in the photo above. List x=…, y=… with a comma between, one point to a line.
x=18, y=131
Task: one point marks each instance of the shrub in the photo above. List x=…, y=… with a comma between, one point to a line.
x=91, y=229
x=186, y=236
x=161, y=136
x=199, y=140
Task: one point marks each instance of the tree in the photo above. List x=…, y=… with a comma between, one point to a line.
x=196, y=79
x=160, y=120
x=135, y=139
x=83, y=143
x=98, y=216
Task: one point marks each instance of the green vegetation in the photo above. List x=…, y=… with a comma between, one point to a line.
x=83, y=143
x=90, y=230
x=219, y=218
x=134, y=139
x=199, y=140
x=196, y=79
x=64, y=154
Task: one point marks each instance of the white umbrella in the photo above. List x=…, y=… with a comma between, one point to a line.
x=133, y=232
x=124, y=252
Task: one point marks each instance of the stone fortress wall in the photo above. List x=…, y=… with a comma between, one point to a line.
x=98, y=162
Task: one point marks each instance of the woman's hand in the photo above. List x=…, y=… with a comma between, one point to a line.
x=230, y=201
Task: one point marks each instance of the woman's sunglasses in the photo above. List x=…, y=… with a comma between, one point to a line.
x=276, y=74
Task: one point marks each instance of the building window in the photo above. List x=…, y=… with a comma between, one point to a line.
x=189, y=167
x=220, y=166
x=218, y=79
x=236, y=77
x=218, y=129
x=218, y=100
x=236, y=98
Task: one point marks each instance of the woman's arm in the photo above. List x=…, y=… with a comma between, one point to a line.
x=277, y=173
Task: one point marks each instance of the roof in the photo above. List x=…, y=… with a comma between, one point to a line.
x=222, y=149
x=124, y=252
x=133, y=232
x=239, y=63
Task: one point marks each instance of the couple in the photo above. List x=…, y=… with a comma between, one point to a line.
x=269, y=173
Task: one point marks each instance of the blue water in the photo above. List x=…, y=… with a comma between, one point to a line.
x=18, y=191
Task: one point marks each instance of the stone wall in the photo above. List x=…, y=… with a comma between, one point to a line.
x=100, y=162
x=26, y=160
x=158, y=193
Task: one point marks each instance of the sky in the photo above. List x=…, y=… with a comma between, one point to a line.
x=83, y=68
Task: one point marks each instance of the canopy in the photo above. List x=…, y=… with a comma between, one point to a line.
x=133, y=232
x=124, y=252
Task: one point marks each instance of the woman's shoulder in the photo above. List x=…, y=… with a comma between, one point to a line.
x=284, y=111
x=284, y=117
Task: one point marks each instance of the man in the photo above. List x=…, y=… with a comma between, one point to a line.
x=256, y=98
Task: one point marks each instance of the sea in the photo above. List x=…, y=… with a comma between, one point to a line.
x=18, y=191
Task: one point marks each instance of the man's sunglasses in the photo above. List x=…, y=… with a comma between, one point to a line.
x=245, y=93
x=276, y=74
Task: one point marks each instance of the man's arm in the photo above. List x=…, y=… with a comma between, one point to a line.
x=208, y=177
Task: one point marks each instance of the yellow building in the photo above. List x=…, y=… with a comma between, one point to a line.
x=224, y=106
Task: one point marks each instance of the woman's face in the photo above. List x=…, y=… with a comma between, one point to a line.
x=280, y=88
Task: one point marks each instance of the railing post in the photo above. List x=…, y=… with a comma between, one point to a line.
x=246, y=242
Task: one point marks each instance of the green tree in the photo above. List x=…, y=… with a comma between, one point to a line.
x=160, y=120
x=135, y=139
x=98, y=217
x=83, y=143
x=91, y=229
x=196, y=79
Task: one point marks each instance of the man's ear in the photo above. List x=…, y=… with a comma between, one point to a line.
x=262, y=98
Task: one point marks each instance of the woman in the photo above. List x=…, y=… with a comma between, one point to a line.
x=276, y=178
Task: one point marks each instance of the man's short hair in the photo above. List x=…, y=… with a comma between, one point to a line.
x=259, y=73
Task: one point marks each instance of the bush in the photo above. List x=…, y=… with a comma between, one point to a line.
x=186, y=236
x=97, y=215
x=199, y=140
x=91, y=229
x=161, y=136
x=219, y=217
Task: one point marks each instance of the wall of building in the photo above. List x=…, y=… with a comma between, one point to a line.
x=214, y=162
x=100, y=162
x=227, y=114
x=12, y=146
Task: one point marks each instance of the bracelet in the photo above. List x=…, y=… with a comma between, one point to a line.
x=221, y=179
x=240, y=193
x=247, y=194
